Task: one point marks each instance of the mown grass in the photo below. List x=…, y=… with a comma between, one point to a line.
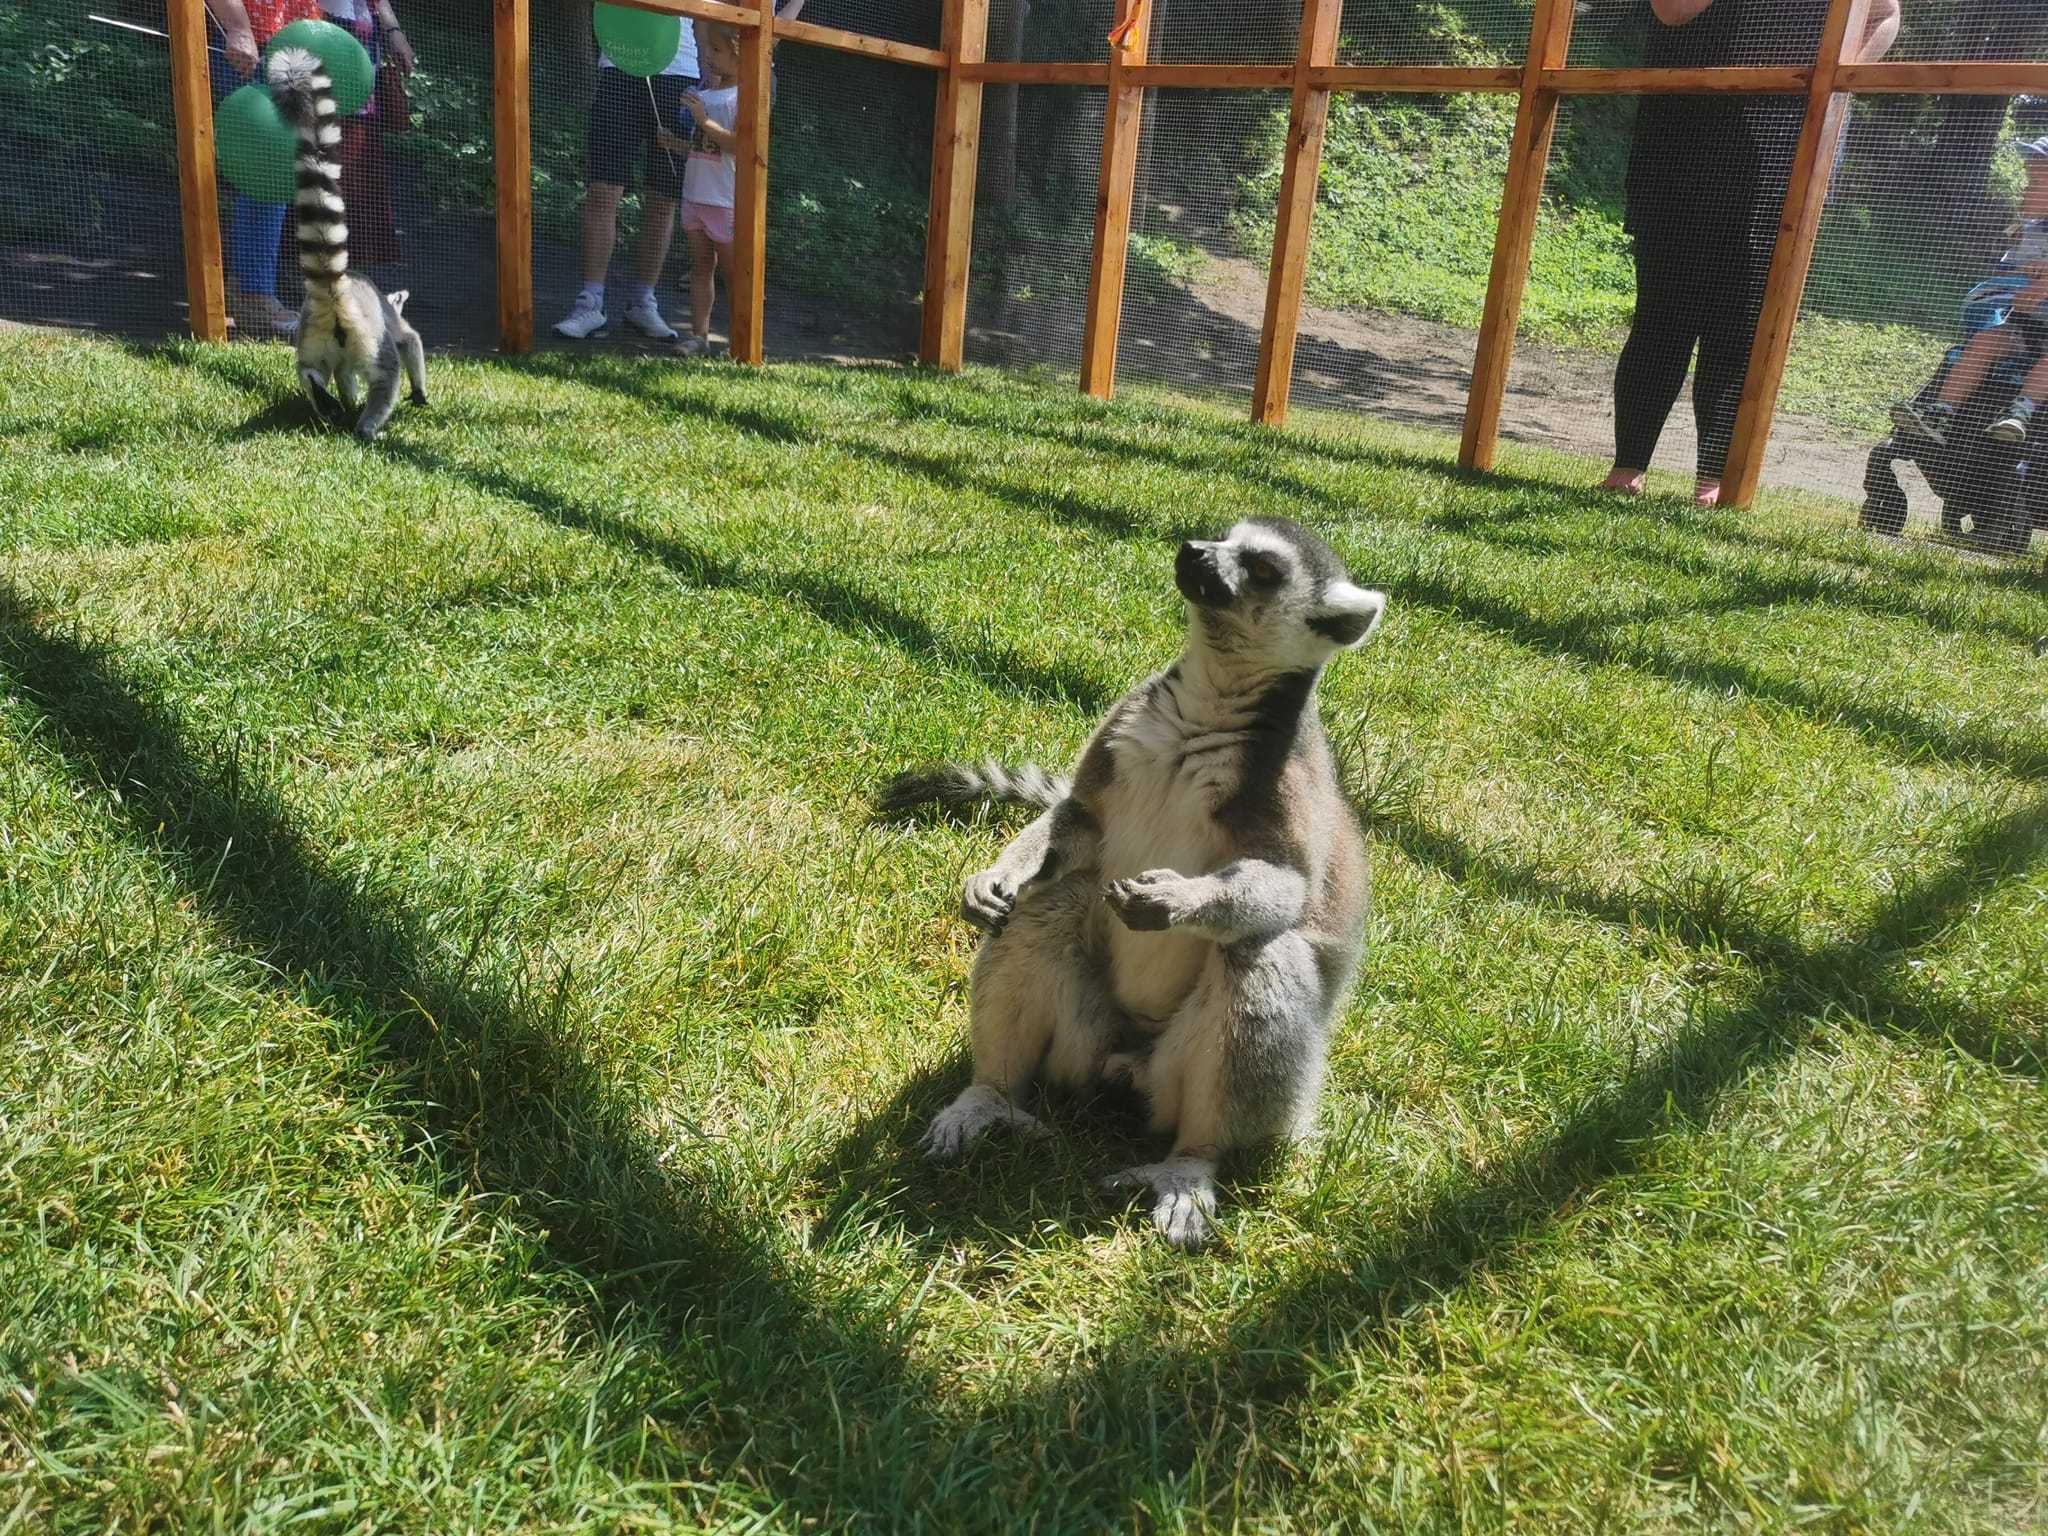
x=465, y=1032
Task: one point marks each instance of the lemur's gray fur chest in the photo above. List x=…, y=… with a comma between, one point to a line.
x=1174, y=761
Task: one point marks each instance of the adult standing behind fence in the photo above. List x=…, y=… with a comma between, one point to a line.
x=255, y=229
x=1706, y=182
x=626, y=114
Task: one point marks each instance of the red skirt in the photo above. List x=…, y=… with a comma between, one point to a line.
x=366, y=188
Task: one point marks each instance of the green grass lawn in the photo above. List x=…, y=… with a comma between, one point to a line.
x=463, y=1035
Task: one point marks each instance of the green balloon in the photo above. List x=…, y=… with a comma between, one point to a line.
x=347, y=61
x=256, y=145
x=638, y=42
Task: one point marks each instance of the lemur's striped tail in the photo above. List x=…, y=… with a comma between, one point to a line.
x=305, y=97
x=963, y=784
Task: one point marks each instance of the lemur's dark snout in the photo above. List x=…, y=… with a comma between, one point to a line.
x=1200, y=582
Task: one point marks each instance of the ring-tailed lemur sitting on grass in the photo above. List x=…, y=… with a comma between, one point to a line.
x=1197, y=890
x=350, y=335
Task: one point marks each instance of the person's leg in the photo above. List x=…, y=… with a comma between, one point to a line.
x=1730, y=297
x=1981, y=353
x=600, y=229
x=607, y=161
x=254, y=230
x=2018, y=419
x=657, y=104
x=703, y=259
x=724, y=250
x=1651, y=370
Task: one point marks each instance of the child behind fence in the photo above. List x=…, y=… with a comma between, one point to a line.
x=711, y=177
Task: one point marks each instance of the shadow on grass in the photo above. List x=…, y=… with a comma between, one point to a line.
x=841, y=604
x=509, y=1105
x=537, y=1122
x=1904, y=732
x=1632, y=536
x=1739, y=917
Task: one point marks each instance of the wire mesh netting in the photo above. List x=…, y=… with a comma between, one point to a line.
x=848, y=198
x=1647, y=276
x=1917, y=304
x=1202, y=206
x=418, y=170
x=1034, y=224
x=848, y=188
x=1580, y=294
x=1049, y=31
x=1252, y=32
x=901, y=21
x=1471, y=33
x=1406, y=210
x=1972, y=30
x=89, y=225
x=1755, y=34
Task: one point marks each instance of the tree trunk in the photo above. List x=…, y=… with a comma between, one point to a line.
x=997, y=177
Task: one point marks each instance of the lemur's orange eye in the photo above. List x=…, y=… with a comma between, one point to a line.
x=1263, y=572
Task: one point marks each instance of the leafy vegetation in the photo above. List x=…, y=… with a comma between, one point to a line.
x=462, y=1031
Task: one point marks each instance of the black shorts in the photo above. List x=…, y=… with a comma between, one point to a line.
x=623, y=119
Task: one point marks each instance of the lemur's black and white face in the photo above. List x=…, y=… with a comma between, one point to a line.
x=1271, y=593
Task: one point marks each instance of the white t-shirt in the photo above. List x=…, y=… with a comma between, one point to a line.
x=685, y=61
x=713, y=176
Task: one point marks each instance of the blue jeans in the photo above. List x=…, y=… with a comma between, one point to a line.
x=254, y=229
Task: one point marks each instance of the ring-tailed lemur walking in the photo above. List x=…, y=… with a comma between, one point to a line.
x=350, y=335
x=1198, y=888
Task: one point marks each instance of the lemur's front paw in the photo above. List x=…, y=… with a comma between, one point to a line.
x=1156, y=899
x=987, y=900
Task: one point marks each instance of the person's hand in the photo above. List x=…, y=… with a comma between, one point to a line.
x=241, y=52
x=400, y=49
x=695, y=103
x=670, y=142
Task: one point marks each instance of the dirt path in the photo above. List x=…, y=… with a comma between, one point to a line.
x=1418, y=371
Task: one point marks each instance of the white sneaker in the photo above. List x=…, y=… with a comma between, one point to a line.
x=586, y=319
x=645, y=317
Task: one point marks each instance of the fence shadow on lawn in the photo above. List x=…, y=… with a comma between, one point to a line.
x=511, y=1089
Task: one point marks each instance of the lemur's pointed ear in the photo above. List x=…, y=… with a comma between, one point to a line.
x=1348, y=614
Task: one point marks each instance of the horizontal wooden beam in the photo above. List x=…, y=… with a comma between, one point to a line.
x=1001, y=72
x=1981, y=79
x=1412, y=79
x=1653, y=82
x=859, y=42
x=697, y=10
x=1977, y=79
x=1214, y=77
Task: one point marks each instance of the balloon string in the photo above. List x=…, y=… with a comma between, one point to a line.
x=655, y=107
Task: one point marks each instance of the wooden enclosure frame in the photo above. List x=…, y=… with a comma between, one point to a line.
x=961, y=69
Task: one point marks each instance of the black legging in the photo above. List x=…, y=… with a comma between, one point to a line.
x=1694, y=287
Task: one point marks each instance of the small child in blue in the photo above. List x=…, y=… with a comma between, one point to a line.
x=2011, y=333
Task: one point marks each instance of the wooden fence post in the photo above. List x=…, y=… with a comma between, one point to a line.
x=1122, y=116
x=747, y=293
x=1550, y=33
x=198, y=195
x=512, y=123
x=949, y=229
x=1806, y=194
x=1306, y=118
